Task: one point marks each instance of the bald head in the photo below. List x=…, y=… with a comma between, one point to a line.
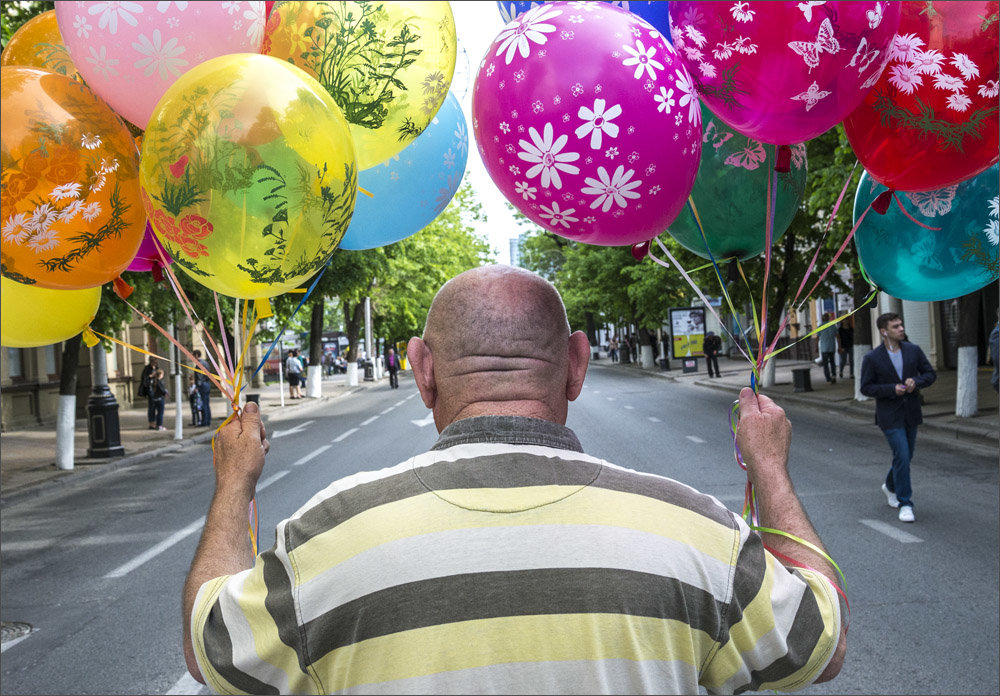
x=497, y=342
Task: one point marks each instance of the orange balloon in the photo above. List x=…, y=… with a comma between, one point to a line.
x=39, y=44
x=71, y=215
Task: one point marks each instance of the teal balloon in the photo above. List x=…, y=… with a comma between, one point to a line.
x=913, y=263
x=730, y=194
x=410, y=189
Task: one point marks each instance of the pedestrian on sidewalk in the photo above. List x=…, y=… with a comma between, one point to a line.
x=204, y=388
x=505, y=556
x=711, y=348
x=194, y=398
x=894, y=373
x=158, y=393
x=828, y=349
x=613, y=349
x=293, y=368
x=392, y=366
x=845, y=336
x=146, y=390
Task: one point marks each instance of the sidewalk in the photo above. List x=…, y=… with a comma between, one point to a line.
x=938, y=408
x=27, y=457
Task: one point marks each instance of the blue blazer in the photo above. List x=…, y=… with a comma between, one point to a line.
x=879, y=380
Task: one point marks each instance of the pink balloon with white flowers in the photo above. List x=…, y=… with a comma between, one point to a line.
x=588, y=122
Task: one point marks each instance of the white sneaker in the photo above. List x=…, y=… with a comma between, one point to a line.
x=890, y=497
x=906, y=514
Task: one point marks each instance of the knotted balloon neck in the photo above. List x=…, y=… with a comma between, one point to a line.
x=122, y=289
x=881, y=203
x=157, y=272
x=783, y=162
x=640, y=250
x=733, y=271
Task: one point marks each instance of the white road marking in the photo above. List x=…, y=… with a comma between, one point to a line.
x=597, y=391
x=695, y=438
x=400, y=402
x=311, y=455
x=155, y=551
x=610, y=398
x=370, y=420
x=281, y=433
x=186, y=685
x=630, y=408
x=11, y=643
x=654, y=419
x=428, y=420
x=892, y=532
x=270, y=479
x=96, y=540
x=343, y=436
x=387, y=410
x=410, y=396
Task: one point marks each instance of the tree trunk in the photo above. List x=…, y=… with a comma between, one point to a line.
x=352, y=326
x=967, y=389
x=862, y=332
x=66, y=418
x=591, y=328
x=314, y=373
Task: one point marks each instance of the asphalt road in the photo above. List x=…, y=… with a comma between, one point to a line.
x=96, y=569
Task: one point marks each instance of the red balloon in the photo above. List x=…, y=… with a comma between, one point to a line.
x=931, y=119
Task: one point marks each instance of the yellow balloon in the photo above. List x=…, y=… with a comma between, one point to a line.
x=388, y=65
x=32, y=316
x=249, y=175
x=38, y=43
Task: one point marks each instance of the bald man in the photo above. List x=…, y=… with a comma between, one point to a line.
x=505, y=559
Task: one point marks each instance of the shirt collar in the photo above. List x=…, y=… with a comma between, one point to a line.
x=510, y=430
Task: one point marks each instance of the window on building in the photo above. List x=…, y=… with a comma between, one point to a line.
x=50, y=360
x=14, y=367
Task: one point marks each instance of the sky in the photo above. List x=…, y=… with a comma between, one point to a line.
x=477, y=23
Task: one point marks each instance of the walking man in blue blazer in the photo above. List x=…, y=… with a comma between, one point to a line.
x=894, y=373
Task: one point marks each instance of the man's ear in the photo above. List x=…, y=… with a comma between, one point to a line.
x=579, y=358
x=419, y=356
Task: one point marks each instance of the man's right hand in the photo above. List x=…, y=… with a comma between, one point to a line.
x=900, y=389
x=763, y=434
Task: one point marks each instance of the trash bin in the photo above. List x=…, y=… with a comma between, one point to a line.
x=369, y=367
x=801, y=379
x=254, y=398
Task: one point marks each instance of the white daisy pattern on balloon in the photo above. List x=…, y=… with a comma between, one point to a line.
x=111, y=12
x=70, y=190
x=158, y=56
x=611, y=189
x=949, y=83
x=969, y=70
x=904, y=46
x=927, y=62
x=530, y=27
x=695, y=35
x=16, y=229
x=547, y=156
x=82, y=26
x=42, y=218
x=664, y=100
x=904, y=78
x=43, y=240
x=102, y=63
x=91, y=211
x=256, y=15
x=71, y=211
x=992, y=229
x=689, y=97
x=643, y=59
x=989, y=90
x=959, y=102
x=742, y=12
x=597, y=122
x=90, y=141
x=554, y=216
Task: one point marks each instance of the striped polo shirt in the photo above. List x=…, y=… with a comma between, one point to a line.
x=506, y=560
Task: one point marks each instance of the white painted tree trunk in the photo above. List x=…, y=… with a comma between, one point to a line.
x=767, y=376
x=967, y=390
x=314, y=381
x=65, y=432
x=646, y=357
x=352, y=374
x=859, y=354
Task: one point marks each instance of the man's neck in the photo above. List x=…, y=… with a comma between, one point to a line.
x=891, y=345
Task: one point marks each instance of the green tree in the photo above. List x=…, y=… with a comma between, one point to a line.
x=14, y=14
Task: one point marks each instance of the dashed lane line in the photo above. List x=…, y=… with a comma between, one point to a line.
x=695, y=439
x=370, y=420
x=344, y=436
x=311, y=455
x=891, y=531
x=654, y=419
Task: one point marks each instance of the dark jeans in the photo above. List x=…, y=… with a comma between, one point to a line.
x=902, y=441
x=710, y=361
x=829, y=366
x=393, y=378
x=206, y=409
x=847, y=358
x=157, y=405
x=151, y=409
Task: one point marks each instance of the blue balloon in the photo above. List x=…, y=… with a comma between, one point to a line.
x=913, y=263
x=410, y=189
x=656, y=13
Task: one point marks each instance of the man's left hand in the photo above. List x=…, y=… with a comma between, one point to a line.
x=910, y=385
x=240, y=448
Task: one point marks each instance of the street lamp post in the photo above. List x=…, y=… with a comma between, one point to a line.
x=102, y=411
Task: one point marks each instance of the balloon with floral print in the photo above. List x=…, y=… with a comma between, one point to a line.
x=249, y=175
x=783, y=72
x=38, y=43
x=656, y=12
x=730, y=195
x=932, y=119
x=915, y=262
x=71, y=212
x=588, y=123
x=131, y=52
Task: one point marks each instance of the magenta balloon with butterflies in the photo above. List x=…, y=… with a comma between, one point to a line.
x=783, y=72
x=588, y=123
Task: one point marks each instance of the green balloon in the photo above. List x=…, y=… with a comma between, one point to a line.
x=730, y=194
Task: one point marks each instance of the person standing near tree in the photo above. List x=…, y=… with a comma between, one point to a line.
x=845, y=335
x=293, y=368
x=893, y=374
x=145, y=390
x=158, y=395
x=205, y=388
x=392, y=367
x=828, y=350
x=712, y=348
